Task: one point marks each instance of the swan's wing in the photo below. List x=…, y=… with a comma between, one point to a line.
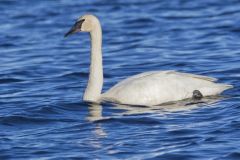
x=146, y=74
x=193, y=76
x=201, y=77
x=143, y=76
x=168, y=72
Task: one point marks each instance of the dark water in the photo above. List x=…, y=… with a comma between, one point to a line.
x=43, y=77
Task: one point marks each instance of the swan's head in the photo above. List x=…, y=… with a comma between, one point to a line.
x=85, y=23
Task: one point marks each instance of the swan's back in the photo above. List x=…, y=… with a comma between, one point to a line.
x=157, y=87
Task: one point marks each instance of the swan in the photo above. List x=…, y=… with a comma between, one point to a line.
x=147, y=89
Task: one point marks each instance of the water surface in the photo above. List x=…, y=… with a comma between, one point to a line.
x=43, y=77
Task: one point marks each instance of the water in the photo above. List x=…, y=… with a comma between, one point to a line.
x=43, y=77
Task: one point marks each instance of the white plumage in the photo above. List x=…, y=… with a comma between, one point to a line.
x=157, y=87
x=149, y=88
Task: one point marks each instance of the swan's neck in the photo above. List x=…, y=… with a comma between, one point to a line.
x=95, y=82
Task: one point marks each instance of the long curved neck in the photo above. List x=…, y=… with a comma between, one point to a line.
x=95, y=82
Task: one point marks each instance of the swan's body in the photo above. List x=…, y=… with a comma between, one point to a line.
x=157, y=87
x=149, y=88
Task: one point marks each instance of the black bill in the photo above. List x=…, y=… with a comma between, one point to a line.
x=76, y=27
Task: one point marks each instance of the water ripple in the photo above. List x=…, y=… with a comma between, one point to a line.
x=43, y=77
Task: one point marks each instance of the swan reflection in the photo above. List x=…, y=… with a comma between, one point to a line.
x=96, y=113
x=95, y=110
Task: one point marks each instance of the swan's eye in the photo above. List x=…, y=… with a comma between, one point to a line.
x=76, y=27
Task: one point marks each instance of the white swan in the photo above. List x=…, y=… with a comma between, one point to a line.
x=149, y=88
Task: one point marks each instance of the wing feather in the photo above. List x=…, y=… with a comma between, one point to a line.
x=194, y=76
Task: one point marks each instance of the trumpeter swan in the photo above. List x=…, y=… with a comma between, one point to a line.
x=149, y=88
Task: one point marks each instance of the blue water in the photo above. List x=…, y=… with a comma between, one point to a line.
x=43, y=77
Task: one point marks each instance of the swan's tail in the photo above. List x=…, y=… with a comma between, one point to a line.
x=215, y=89
x=223, y=87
